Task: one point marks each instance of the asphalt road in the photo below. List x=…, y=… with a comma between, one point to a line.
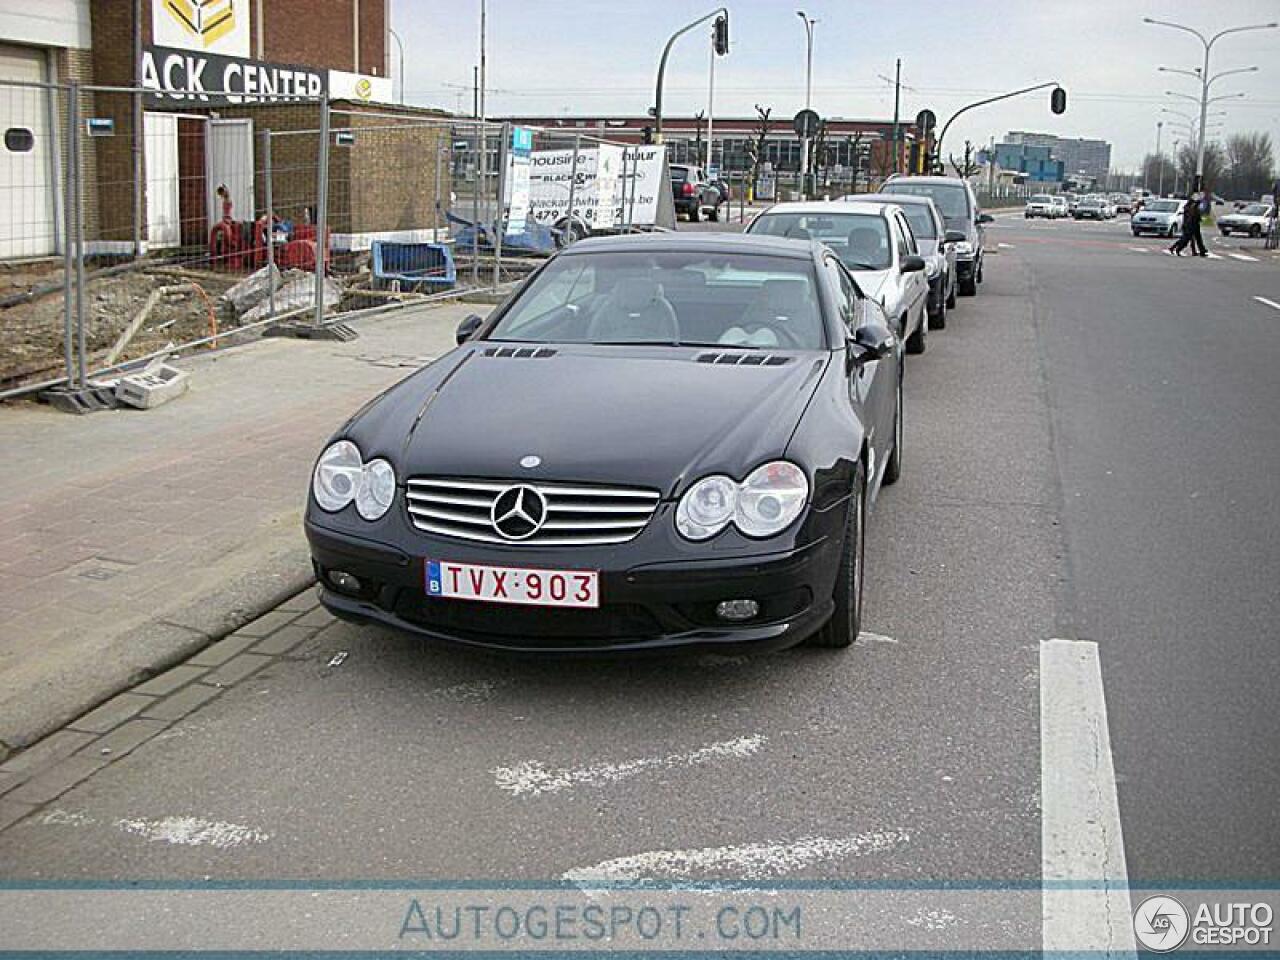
x=1091, y=451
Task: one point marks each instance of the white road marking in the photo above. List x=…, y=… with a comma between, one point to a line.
x=1140, y=249
x=1243, y=256
x=1005, y=246
x=1269, y=303
x=865, y=638
x=193, y=832
x=532, y=778
x=1212, y=256
x=1086, y=882
x=751, y=861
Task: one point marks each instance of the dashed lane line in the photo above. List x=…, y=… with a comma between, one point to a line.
x=1269, y=303
x=1085, y=899
x=1243, y=256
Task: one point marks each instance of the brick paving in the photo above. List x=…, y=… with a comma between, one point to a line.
x=130, y=539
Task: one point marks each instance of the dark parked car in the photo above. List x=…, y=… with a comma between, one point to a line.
x=958, y=205
x=694, y=194
x=669, y=440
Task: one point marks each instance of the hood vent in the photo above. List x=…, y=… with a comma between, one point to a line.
x=742, y=359
x=535, y=353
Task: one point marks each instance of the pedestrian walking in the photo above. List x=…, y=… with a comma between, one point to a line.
x=1190, y=229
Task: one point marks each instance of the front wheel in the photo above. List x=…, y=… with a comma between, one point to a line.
x=893, y=466
x=951, y=295
x=968, y=287
x=1255, y=231
x=714, y=215
x=846, y=620
x=916, y=343
x=694, y=211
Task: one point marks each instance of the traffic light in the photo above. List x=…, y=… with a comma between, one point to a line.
x=1058, y=100
x=721, y=36
x=646, y=135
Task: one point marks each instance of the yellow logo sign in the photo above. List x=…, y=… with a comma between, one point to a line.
x=364, y=89
x=206, y=20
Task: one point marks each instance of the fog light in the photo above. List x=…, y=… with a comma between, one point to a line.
x=345, y=582
x=737, y=609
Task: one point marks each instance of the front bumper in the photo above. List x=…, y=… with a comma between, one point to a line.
x=648, y=601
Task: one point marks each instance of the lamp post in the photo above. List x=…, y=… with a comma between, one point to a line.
x=400, y=47
x=1206, y=80
x=808, y=97
x=1159, y=160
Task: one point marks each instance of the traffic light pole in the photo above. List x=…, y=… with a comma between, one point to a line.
x=937, y=145
x=662, y=67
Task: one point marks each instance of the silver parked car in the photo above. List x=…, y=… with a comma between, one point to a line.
x=1160, y=217
x=1254, y=220
x=936, y=244
x=874, y=241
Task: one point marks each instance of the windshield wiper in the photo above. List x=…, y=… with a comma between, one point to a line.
x=859, y=265
x=726, y=346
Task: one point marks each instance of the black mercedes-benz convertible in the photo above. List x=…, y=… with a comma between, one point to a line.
x=658, y=441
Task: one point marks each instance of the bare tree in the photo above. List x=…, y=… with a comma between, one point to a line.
x=1215, y=163
x=755, y=148
x=1250, y=165
x=968, y=166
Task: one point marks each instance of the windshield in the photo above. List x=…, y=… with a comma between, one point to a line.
x=679, y=174
x=1163, y=206
x=1256, y=210
x=921, y=221
x=1042, y=198
x=676, y=299
x=860, y=240
x=952, y=200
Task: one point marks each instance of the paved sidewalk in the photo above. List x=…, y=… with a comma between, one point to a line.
x=130, y=539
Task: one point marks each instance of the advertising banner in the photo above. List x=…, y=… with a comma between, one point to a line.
x=603, y=197
x=518, y=179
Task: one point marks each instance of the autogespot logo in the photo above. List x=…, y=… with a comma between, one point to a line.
x=1161, y=923
x=518, y=512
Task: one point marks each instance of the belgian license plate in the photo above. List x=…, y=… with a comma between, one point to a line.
x=536, y=587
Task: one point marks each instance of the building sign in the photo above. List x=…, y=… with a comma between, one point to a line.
x=177, y=76
x=518, y=179
x=218, y=27
x=613, y=186
x=358, y=86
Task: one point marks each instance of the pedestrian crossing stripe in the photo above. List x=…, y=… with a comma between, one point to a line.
x=1243, y=256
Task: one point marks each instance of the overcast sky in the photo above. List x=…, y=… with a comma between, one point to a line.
x=574, y=57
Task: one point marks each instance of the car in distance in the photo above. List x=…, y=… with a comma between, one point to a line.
x=657, y=441
x=875, y=243
x=1040, y=205
x=694, y=194
x=1060, y=205
x=1091, y=208
x=1121, y=203
x=1253, y=220
x=934, y=242
x=958, y=205
x=1161, y=217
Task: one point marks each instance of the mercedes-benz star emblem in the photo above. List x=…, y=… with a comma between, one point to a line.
x=518, y=512
x=531, y=461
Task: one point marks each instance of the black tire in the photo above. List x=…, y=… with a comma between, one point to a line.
x=1137, y=233
x=968, y=287
x=1255, y=231
x=978, y=275
x=951, y=295
x=714, y=215
x=939, y=320
x=694, y=211
x=893, y=466
x=846, y=620
x=918, y=341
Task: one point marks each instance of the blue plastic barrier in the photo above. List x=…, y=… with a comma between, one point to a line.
x=412, y=265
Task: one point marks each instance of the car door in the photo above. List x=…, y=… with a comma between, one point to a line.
x=872, y=385
x=915, y=286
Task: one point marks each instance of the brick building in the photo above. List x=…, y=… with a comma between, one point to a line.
x=218, y=73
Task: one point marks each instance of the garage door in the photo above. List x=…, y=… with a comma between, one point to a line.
x=26, y=184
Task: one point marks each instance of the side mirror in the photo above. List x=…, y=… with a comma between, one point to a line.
x=912, y=264
x=986, y=218
x=872, y=341
x=468, y=327
x=955, y=236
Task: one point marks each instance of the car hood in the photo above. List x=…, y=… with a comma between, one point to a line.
x=647, y=416
x=1154, y=215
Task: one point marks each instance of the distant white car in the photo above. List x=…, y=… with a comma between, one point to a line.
x=1253, y=220
x=1060, y=204
x=1040, y=205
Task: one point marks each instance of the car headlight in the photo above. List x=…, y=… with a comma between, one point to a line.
x=770, y=498
x=341, y=477
x=706, y=507
x=377, y=489
x=964, y=248
x=764, y=504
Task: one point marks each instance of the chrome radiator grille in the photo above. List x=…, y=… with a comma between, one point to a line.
x=571, y=515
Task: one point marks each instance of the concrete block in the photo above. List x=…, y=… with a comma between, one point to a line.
x=125, y=738
x=157, y=384
x=283, y=640
x=236, y=669
x=221, y=652
x=11, y=812
x=58, y=779
x=112, y=713
x=170, y=680
x=180, y=704
x=46, y=752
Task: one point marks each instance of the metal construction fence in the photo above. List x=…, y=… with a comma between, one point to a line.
x=131, y=229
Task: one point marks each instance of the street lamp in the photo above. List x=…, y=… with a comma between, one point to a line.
x=400, y=46
x=808, y=97
x=1204, y=77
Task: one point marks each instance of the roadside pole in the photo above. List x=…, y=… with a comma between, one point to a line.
x=573, y=186
x=73, y=110
x=68, y=233
x=322, y=210
x=500, y=218
x=271, y=226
